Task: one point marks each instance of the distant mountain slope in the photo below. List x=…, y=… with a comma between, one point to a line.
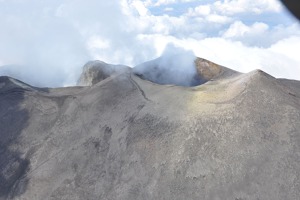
x=237, y=137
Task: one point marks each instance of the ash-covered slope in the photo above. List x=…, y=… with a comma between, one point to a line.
x=234, y=137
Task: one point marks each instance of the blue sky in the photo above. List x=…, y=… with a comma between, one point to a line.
x=46, y=43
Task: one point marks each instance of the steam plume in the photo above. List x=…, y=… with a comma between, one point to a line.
x=176, y=66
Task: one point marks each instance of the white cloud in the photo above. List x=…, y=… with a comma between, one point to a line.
x=168, y=9
x=52, y=39
x=235, y=7
x=218, y=19
x=288, y=47
x=279, y=60
x=231, y=7
x=259, y=34
x=239, y=29
x=166, y=2
x=199, y=10
x=140, y=7
x=243, y=58
x=206, y=12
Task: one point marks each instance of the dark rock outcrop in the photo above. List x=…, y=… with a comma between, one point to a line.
x=96, y=71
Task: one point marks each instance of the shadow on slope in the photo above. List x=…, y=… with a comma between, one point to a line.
x=13, y=119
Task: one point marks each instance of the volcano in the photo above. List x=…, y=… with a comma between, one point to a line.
x=124, y=135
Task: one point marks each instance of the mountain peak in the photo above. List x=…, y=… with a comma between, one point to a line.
x=96, y=71
x=234, y=137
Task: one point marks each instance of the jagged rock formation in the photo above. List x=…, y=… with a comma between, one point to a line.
x=234, y=137
x=208, y=70
x=96, y=71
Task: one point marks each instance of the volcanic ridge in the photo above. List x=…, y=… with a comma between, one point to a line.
x=142, y=133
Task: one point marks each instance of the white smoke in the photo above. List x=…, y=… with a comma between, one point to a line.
x=176, y=66
x=47, y=43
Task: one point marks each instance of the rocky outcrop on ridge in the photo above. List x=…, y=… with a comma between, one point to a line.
x=96, y=71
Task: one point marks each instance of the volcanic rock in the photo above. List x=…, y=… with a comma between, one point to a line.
x=96, y=71
x=233, y=137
